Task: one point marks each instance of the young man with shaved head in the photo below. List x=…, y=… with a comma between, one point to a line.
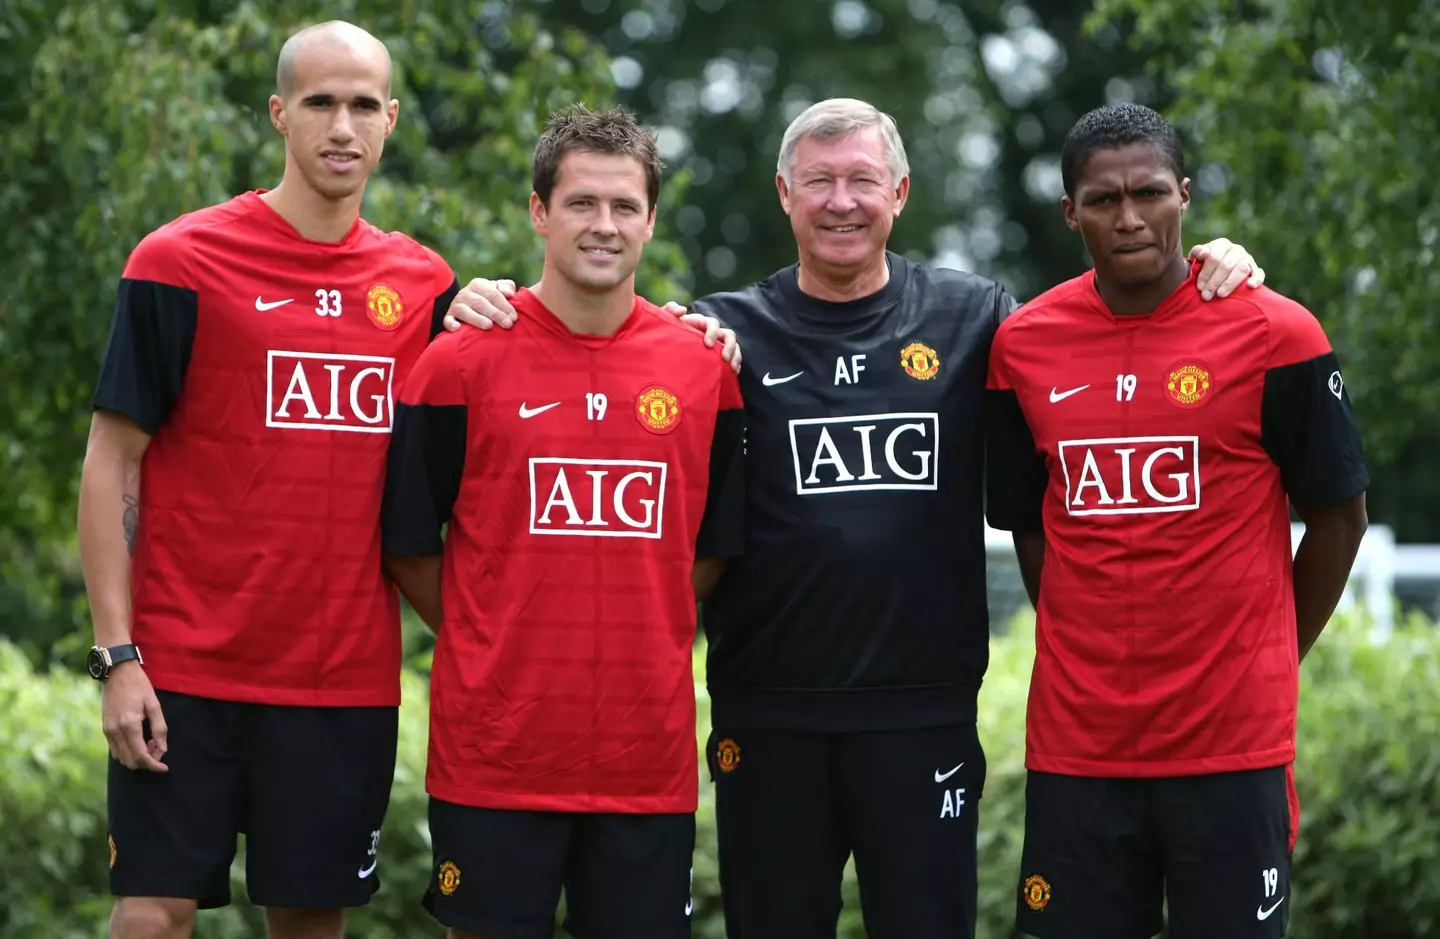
x=246, y=639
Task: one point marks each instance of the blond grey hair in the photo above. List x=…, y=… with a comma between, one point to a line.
x=841, y=117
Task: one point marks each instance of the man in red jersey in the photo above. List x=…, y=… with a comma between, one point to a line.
x=588, y=465
x=229, y=522
x=1145, y=451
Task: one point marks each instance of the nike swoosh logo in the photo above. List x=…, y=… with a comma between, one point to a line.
x=1062, y=395
x=531, y=412
x=768, y=381
x=262, y=306
x=689, y=907
x=1265, y=914
x=367, y=871
x=941, y=777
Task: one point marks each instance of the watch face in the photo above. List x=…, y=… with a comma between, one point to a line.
x=96, y=664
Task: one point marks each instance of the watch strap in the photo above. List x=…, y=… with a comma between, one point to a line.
x=125, y=653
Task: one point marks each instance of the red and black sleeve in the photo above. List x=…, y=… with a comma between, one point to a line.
x=151, y=335
x=1307, y=423
x=427, y=453
x=448, y=286
x=722, y=529
x=1015, y=473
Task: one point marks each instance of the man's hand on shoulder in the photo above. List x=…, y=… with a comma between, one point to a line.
x=482, y=304
x=1226, y=266
x=712, y=330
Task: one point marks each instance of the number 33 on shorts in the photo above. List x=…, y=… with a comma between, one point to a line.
x=372, y=856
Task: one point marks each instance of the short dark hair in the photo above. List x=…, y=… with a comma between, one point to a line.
x=577, y=128
x=1115, y=126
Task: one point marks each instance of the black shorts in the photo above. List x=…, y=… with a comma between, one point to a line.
x=792, y=807
x=500, y=873
x=308, y=786
x=1102, y=856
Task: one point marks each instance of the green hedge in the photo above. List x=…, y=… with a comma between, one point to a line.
x=1366, y=861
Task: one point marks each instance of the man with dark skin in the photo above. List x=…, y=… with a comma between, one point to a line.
x=1145, y=449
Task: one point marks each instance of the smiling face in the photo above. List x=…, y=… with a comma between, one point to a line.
x=1127, y=206
x=842, y=200
x=336, y=113
x=597, y=221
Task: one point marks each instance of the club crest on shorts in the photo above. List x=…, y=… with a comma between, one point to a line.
x=1037, y=892
x=449, y=878
x=382, y=303
x=1187, y=384
x=657, y=409
x=727, y=755
x=111, y=840
x=920, y=361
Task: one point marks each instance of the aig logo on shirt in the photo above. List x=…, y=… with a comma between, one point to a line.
x=321, y=391
x=868, y=451
x=1131, y=475
x=597, y=498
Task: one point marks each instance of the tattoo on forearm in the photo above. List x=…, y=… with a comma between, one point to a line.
x=130, y=521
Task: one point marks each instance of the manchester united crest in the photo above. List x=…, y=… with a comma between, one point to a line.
x=727, y=755
x=657, y=409
x=1187, y=384
x=448, y=878
x=383, y=304
x=1036, y=891
x=920, y=361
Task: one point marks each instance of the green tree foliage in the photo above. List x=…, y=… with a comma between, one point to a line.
x=1368, y=777
x=119, y=117
x=1316, y=120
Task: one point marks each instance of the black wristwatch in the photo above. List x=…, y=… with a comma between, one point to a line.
x=102, y=659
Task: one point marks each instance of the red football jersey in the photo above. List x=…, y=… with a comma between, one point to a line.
x=574, y=473
x=265, y=367
x=1157, y=452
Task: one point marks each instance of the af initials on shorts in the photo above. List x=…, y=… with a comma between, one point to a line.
x=797, y=804
x=953, y=803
